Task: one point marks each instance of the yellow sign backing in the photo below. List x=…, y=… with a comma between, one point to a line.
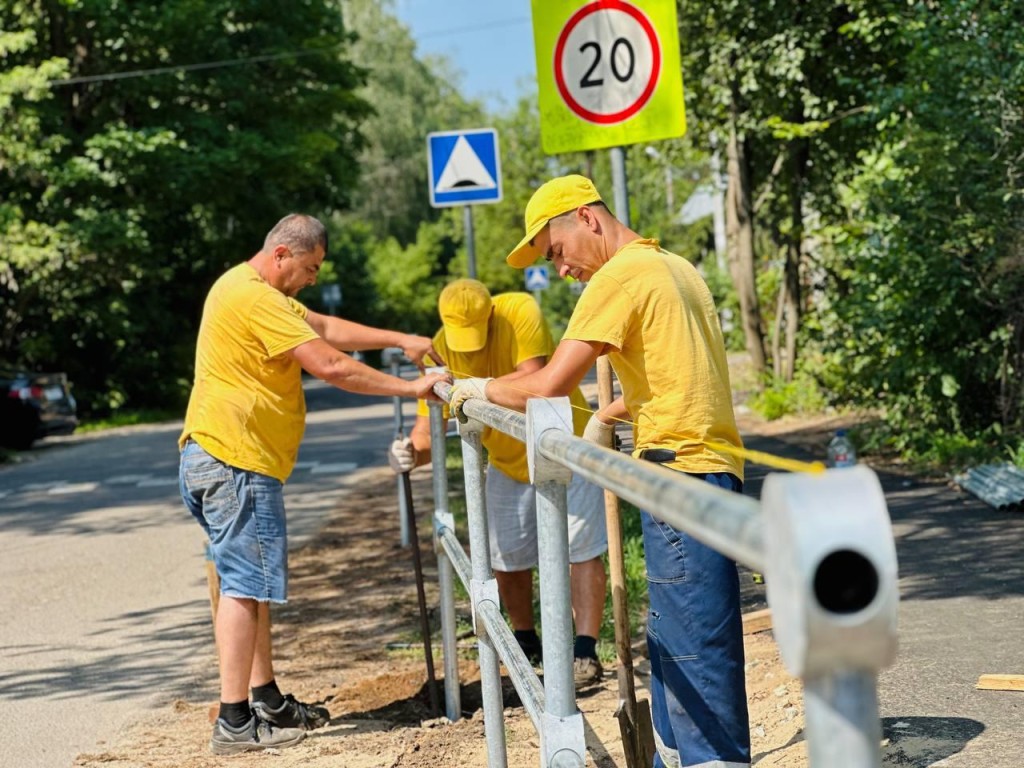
x=608, y=73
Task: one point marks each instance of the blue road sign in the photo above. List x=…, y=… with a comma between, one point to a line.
x=465, y=168
x=537, y=278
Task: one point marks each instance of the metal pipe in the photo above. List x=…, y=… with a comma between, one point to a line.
x=405, y=536
x=725, y=521
x=841, y=712
x=620, y=187
x=555, y=598
x=520, y=671
x=490, y=672
x=446, y=584
x=467, y=223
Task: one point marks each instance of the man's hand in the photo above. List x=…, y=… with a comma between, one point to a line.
x=598, y=432
x=423, y=387
x=463, y=390
x=417, y=347
x=402, y=455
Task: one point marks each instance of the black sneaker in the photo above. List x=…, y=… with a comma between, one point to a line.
x=255, y=735
x=294, y=714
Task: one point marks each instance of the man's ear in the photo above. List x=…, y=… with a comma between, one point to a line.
x=588, y=217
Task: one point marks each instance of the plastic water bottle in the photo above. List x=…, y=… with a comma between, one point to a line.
x=840, y=451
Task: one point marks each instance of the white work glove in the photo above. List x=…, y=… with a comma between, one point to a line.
x=402, y=455
x=463, y=390
x=598, y=432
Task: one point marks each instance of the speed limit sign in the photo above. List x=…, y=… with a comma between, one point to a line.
x=608, y=73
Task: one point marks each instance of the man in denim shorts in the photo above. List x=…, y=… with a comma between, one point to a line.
x=652, y=314
x=245, y=420
x=483, y=335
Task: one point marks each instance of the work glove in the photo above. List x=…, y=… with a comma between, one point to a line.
x=463, y=390
x=402, y=455
x=598, y=432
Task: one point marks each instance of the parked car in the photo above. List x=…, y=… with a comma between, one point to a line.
x=34, y=405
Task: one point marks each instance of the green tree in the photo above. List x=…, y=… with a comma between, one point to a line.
x=148, y=187
x=925, y=314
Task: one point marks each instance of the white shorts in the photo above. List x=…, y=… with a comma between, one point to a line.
x=512, y=522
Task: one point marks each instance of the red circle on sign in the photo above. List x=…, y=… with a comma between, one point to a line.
x=648, y=28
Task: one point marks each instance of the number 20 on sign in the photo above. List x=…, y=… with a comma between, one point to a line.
x=608, y=73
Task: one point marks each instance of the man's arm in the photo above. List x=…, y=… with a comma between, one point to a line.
x=569, y=364
x=336, y=368
x=345, y=334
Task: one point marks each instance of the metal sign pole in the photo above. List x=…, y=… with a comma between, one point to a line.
x=467, y=218
x=619, y=185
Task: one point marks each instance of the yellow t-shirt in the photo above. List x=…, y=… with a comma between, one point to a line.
x=247, y=407
x=658, y=313
x=517, y=332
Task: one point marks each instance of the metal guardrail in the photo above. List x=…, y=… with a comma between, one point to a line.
x=823, y=541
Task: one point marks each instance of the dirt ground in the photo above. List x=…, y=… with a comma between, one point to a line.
x=349, y=638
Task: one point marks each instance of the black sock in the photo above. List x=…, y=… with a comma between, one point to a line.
x=526, y=636
x=236, y=714
x=529, y=641
x=585, y=647
x=269, y=694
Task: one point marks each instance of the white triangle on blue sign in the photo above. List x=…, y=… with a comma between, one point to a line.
x=464, y=170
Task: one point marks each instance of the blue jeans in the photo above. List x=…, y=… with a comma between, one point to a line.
x=695, y=642
x=243, y=514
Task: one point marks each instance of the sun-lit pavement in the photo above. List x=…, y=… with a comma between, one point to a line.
x=105, y=600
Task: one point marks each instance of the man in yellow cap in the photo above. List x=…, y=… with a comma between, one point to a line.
x=652, y=314
x=499, y=336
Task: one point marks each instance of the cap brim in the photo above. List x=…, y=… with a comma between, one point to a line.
x=524, y=254
x=468, y=338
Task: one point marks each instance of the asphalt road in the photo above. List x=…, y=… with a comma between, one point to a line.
x=104, y=600
x=961, y=615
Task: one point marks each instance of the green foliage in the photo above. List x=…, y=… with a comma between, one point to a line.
x=781, y=398
x=124, y=198
x=922, y=310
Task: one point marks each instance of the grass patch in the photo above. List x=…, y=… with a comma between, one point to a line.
x=128, y=418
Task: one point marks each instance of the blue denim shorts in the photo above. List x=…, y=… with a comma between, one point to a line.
x=243, y=514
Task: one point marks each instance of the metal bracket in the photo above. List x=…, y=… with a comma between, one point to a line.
x=483, y=591
x=542, y=414
x=831, y=570
x=562, y=742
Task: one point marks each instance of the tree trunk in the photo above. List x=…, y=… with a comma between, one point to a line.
x=739, y=227
x=793, y=310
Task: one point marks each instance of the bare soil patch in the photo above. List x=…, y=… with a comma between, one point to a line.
x=349, y=638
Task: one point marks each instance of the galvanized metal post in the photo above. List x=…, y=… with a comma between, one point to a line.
x=562, y=740
x=841, y=716
x=833, y=593
x=467, y=220
x=393, y=356
x=484, y=587
x=620, y=187
x=443, y=518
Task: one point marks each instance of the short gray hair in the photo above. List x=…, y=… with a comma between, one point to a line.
x=299, y=232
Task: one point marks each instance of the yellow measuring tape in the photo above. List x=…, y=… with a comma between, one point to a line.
x=720, y=446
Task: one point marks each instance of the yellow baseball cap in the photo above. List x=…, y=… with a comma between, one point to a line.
x=553, y=198
x=465, y=309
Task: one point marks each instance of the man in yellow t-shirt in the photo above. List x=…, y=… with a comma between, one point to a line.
x=507, y=336
x=654, y=317
x=245, y=419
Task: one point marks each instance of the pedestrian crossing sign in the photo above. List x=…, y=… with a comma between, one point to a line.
x=537, y=278
x=464, y=167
